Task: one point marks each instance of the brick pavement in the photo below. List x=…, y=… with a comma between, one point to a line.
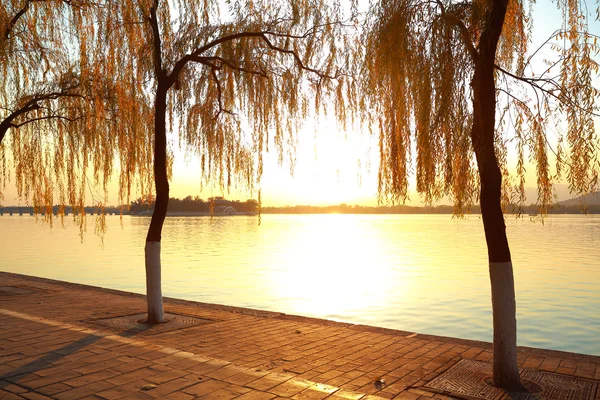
x=51, y=347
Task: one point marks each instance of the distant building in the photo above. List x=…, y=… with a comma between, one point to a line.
x=224, y=210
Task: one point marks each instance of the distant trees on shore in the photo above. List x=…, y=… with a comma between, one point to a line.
x=441, y=209
x=191, y=204
x=195, y=205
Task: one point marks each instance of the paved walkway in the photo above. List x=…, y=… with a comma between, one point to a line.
x=51, y=346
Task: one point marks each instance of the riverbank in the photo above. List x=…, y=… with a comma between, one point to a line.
x=64, y=341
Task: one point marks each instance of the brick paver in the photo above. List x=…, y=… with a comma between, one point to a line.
x=50, y=347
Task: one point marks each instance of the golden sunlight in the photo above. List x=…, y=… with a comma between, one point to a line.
x=355, y=276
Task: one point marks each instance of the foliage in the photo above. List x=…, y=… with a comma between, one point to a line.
x=64, y=115
x=418, y=75
x=80, y=78
x=242, y=75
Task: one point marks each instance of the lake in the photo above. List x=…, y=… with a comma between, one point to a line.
x=420, y=273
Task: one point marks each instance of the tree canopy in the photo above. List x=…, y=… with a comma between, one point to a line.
x=59, y=106
x=79, y=79
x=423, y=55
x=244, y=75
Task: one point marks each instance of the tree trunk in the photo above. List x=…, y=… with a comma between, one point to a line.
x=506, y=373
x=153, y=268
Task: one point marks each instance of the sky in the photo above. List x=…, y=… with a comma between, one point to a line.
x=332, y=166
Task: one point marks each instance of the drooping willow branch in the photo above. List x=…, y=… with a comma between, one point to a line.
x=562, y=96
x=32, y=104
x=264, y=36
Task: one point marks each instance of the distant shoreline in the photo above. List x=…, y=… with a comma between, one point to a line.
x=529, y=211
x=219, y=206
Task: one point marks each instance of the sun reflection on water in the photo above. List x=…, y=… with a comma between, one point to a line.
x=334, y=268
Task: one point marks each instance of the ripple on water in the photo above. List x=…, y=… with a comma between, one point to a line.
x=421, y=273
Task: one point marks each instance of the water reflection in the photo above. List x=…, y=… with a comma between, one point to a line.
x=334, y=268
x=418, y=273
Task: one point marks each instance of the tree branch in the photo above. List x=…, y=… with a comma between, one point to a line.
x=30, y=105
x=297, y=58
x=308, y=32
x=464, y=32
x=525, y=105
x=245, y=35
x=15, y=19
x=51, y=96
x=25, y=8
x=59, y=117
x=533, y=82
x=522, y=78
x=219, y=94
x=158, y=70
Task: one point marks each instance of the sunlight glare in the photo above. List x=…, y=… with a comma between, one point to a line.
x=335, y=269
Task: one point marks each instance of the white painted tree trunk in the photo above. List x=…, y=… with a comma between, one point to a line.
x=505, y=324
x=153, y=283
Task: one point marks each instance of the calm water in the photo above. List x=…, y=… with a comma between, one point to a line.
x=418, y=273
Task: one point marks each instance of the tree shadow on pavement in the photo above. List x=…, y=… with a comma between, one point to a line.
x=50, y=359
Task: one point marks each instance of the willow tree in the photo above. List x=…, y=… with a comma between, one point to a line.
x=59, y=106
x=228, y=80
x=437, y=74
